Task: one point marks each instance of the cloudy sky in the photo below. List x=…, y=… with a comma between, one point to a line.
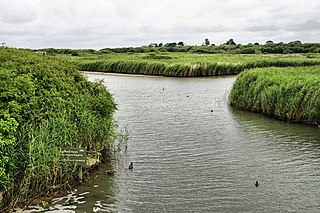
x=116, y=23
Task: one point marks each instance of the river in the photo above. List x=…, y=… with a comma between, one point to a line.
x=192, y=152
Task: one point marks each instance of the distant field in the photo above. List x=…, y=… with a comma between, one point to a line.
x=187, y=64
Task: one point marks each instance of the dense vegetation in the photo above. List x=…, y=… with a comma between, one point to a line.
x=46, y=105
x=291, y=94
x=176, y=59
x=229, y=47
x=186, y=64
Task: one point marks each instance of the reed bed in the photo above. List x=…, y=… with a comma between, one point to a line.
x=290, y=94
x=187, y=64
x=46, y=106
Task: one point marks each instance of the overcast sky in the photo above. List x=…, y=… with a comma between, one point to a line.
x=116, y=23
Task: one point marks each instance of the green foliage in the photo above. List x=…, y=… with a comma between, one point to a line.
x=290, y=94
x=8, y=127
x=229, y=47
x=46, y=105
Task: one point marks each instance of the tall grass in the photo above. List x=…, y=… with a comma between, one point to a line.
x=187, y=65
x=38, y=155
x=291, y=94
x=46, y=105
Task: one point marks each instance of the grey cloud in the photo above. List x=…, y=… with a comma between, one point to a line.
x=310, y=25
x=18, y=12
x=262, y=28
x=103, y=23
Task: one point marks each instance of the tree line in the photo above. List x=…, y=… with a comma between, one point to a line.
x=230, y=47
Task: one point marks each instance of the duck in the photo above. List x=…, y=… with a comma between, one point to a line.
x=256, y=184
x=131, y=165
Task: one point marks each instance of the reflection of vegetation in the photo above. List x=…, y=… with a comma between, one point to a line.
x=290, y=94
x=46, y=105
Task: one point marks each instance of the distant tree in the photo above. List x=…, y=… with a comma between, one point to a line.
x=173, y=44
x=160, y=45
x=206, y=42
x=295, y=43
x=256, y=43
x=296, y=47
x=75, y=53
x=247, y=50
x=153, y=45
x=269, y=43
x=180, y=43
x=231, y=42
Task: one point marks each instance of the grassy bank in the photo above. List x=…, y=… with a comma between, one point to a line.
x=46, y=106
x=186, y=64
x=290, y=94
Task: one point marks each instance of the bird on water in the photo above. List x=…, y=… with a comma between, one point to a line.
x=256, y=184
x=131, y=165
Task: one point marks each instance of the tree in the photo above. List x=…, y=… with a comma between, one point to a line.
x=231, y=42
x=153, y=45
x=269, y=43
x=295, y=43
x=206, y=42
x=181, y=43
x=173, y=44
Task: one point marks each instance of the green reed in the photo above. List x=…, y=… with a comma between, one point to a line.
x=291, y=94
x=47, y=106
x=187, y=64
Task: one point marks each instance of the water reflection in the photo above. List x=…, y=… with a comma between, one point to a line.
x=285, y=156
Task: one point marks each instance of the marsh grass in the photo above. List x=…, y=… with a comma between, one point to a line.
x=290, y=94
x=187, y=64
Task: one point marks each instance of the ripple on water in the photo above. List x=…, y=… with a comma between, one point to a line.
x=188, y=158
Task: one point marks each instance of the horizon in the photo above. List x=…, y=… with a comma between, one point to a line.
x=147, y=45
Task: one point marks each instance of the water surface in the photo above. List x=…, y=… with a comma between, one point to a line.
x=194, y=153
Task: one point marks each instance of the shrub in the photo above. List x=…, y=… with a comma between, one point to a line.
x=46, y=105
